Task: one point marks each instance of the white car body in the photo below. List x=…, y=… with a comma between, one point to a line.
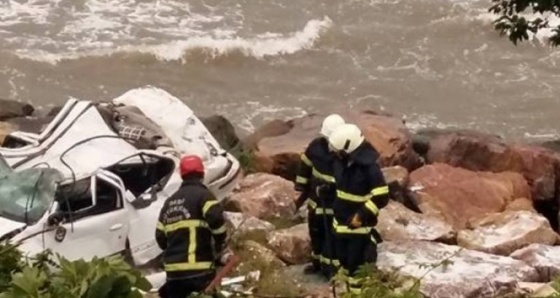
x=124, y=187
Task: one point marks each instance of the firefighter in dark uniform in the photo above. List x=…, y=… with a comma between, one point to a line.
x=361, y=192
x=314, y=172
x=191, y=232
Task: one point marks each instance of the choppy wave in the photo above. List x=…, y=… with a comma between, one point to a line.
x=270, y=44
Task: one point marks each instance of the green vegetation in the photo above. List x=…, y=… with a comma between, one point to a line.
x=246, y=158
x=47, y=276
x=514, y=21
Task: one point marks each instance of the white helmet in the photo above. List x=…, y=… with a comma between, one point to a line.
x=330, y=123
x=346, y=137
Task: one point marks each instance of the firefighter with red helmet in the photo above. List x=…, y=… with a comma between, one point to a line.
x=191, y=232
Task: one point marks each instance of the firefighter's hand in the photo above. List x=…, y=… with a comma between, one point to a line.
x=225, y=256
x=324, y=190
x=355, y=222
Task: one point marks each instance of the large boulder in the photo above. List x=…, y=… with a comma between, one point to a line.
x=468, y=274
x=504, y=233
x=278, y=144
x=255, y=256
x=521, y=204
x=12, y=109
x=457, y=195
x=396, y=174
x=292, y=245
x=241, y=223
x=482, y=152
x=223, y=131
x=264, y=196
x=396, y=222
x=544, y=258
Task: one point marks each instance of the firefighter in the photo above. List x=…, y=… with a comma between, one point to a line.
x=191, y=232
x=315, y=170
x=361, y=192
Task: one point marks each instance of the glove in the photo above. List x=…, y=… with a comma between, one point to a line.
x=355, y=222
x=324, y=190
x=225, y=256
x=300, y=200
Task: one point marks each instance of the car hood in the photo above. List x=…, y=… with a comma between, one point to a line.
x=8, y=226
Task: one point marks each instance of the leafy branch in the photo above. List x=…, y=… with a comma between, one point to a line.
x=518, y=27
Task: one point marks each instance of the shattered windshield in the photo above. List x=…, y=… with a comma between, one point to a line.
x=26, y=195
x=4, y=167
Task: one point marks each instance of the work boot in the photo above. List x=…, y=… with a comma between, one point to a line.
x=312, y=268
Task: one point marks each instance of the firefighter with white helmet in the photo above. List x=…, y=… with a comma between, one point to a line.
x=314, y=173
x=361, y=192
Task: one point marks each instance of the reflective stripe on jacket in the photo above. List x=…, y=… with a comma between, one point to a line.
x=315, y=169
x=188, y=223
x=360, y=189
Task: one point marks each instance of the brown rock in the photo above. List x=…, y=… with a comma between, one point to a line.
x=254, y=254
x=12, y=109
x=458, y=195
x=521, y=204
x=504, y=233
x=242, y=223
x=396, y=222
x=544, y=258
x=30, y=124
x=223, y=131
x=5, y=130
x=470, y=274
x=482, y=152
x=396, y=173
x=282, y=142
x=292, y=245
x=389, y=136
x=263, y=196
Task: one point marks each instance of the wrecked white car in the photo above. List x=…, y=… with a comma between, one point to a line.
x=109, y=168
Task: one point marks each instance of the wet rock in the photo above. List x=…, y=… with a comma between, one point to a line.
x=457, y=195
x=242, y=223
x=396, y=222
x=292, y=245
x=282, y=142
x=504, y=233
x=470, y=274
x=263, y=196
x=223, y=131
x=11, y=109
x=482, y=152
x=544, y=258
x=30, y=124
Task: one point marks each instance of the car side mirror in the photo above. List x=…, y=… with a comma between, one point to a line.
x=55, y=219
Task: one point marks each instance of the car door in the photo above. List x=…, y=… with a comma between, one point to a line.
x=101, y=232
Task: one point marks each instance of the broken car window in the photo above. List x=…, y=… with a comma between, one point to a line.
x=26, y=195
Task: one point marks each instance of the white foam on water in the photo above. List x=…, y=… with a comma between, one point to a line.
x=250, y=114
x=259, y=47
x=166, y=29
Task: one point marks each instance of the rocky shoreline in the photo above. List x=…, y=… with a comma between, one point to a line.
x=492, y=203
x=489, y=205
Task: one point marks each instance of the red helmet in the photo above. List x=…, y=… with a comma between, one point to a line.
x=191, y=164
